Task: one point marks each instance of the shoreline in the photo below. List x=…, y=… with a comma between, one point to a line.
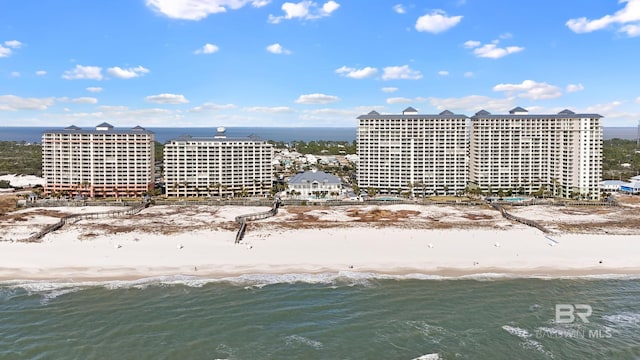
x=292, y=275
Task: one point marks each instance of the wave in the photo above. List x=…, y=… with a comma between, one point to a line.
x=527, y=341
x=256, y=281
x=623, y=320
x=293, y=340
x=428, y=357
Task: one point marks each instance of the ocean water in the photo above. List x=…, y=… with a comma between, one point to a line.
x=324, y=316
x=286, y=134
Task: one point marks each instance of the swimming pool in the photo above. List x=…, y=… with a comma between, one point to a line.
x=514, y=199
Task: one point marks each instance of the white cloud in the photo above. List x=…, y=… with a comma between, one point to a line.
x=167, y=99
x=277, y=49
x=316, y=99
x=333, y=112
x=400, y=72
x=79, y=100
x=14, y=44
x=505, y=36
x=468, y=74
x=399, y=8
x=207, y=49
x=94, y=89
x=329, y=7
x=638, y=100
x=15, y=103
x=10, y=44
x=41, y=73
x=530, y=89
x=208, y=106
x=270, y=109
x=389, y=89
x=628, y=17
x=631, y=30
x=129, y=73
x=83, y=72
x=437, y=21
x=14, y=74
x=84, y=100
x=472, y=103
x=399, y=100
x=294, y=10
x=199, y=9
x=574, y=87
x=470, y=44
x=491, y=50
x=443, y=73
x=4, y=52
x=150, y=117
x=603, y=108
x=357, y=73
x=305, y=10
x=113, y=108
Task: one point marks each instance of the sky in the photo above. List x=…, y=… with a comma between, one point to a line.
x=249, y=63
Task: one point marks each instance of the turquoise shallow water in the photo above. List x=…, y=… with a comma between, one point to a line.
x=327, y=316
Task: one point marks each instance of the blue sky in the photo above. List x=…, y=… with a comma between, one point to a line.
x=173, y=63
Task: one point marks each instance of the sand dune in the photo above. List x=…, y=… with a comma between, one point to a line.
x=396, y=239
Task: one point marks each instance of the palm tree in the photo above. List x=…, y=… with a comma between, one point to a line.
x=185, y=185
x=410, y=186
x=556, y=186
x=214, y=185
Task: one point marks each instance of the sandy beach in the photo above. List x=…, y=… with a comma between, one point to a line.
x=394, y=239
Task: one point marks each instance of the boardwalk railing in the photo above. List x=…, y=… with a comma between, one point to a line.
x=53, y=227
x=508, y=216
x=242, y=219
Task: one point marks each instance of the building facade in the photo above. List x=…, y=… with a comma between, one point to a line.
x=218, y=166
x=314, y=185
x=412, y=153
x=100, y=162
x=557, y=155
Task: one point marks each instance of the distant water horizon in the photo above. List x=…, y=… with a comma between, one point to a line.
x=32, y=134
x=164, y=134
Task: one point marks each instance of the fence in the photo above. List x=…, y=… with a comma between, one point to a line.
x=508, y=216
x=242, y=219
x=66, y=219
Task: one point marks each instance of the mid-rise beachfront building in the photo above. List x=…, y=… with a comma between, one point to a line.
x=99, y=162
x=411, y=152
x=218, y=166
x=314, y=185
x=560, y=154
